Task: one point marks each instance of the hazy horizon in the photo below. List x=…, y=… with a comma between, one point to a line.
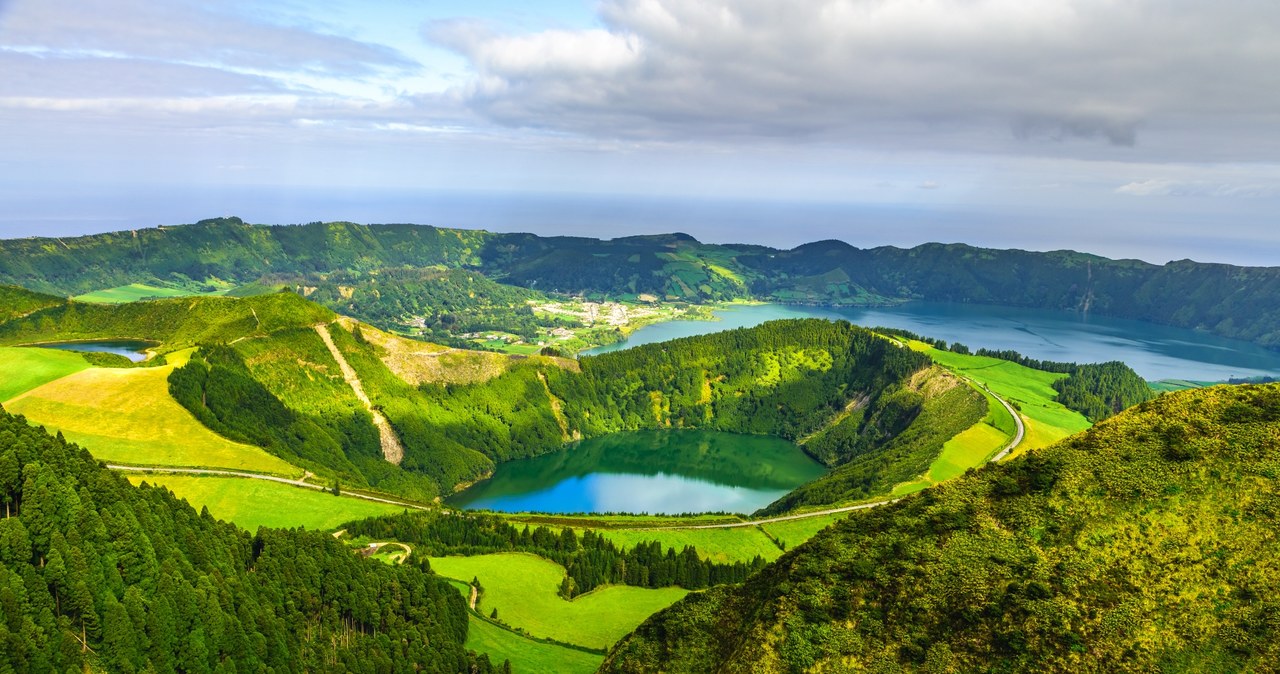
x=1143, y=129
x=773, y=223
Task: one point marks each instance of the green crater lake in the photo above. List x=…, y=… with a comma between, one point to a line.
x=656, y=472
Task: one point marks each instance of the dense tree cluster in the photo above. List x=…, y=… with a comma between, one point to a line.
x=590, y=559
x=219, y=390
x=1113, y=550
x=96, y=574
x=448, y=302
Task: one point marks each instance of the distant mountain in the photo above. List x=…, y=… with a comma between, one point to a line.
x=1240, y=302
x=1145, y=544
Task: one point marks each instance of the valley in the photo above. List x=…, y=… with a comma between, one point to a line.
x=579, y=494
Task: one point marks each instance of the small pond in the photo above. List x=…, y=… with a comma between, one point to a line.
x=133, y=349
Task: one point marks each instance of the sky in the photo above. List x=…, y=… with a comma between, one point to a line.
x=1129, y=128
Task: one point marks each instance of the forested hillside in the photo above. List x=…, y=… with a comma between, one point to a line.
x=98, y=575
x=784, y=378
x=1145, y=544
x=449, y=302
x=1223, y=299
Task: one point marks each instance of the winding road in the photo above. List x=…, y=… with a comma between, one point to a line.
x=1021, y=428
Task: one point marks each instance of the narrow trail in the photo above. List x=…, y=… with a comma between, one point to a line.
x=166, y=470
x=475, y=596
x=392, y=450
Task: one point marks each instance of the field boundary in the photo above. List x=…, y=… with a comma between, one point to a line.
x=213, y=472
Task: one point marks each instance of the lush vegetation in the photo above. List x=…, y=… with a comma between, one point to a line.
x=931, y=410
x=1144, y=544
x=1095, y=390
x=218, y=388
x=786, y=378
x=1101, y=390
x=96, y=574
x=448, y=302
x=250, y=503
x=1227, y=300
x=127, y=416
x=1030, y=391
x=178, y=322
x=591, y=560
x=524, y=590
x=527, y=655
x=25, y=369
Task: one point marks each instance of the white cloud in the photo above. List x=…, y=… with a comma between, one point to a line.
x=976, y=75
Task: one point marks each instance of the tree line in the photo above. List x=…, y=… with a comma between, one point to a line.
x=590, y=559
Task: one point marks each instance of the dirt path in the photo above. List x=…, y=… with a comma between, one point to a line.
x=392, y=450
x=167, y=470
x=475, y=596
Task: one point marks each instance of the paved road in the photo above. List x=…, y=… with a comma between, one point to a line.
x=768, y=520
x=1017, y=420
x=166, y=470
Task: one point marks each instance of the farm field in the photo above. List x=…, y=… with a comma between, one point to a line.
x=250, y=503
x=526, y=655
x=1029, y=390
x=794, y=532
x=127, y=416
x=522, y=587
x=737, y=544
x=137, y=291
x=26, y=368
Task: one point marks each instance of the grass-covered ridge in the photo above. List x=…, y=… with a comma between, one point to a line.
x=1144, y=544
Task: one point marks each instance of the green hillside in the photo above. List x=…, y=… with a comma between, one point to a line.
x=1147, y=543
x=98, y=575
x=1223, y=299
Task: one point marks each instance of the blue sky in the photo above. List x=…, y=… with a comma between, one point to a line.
x=1135, y=128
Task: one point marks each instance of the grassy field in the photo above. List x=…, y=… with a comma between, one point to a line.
x=259, y=503
x=526, y=655
x=137, y=291
x=794, y=532
x=1029, y=390
x=127, y=416
x=523, y=587
x=738, y=544
x=22, y=369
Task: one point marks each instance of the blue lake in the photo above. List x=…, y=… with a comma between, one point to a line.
x=133, y=349
x=657, y=472
x=1154, y=351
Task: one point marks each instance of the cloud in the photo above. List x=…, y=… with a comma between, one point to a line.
x=1164, y=187
x=188, y=31
x=1004, y=75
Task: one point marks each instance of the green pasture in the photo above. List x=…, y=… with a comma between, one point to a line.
x=127, y=416
x=251, y=503
x=1029, y=390
x=526, y=655
x=522, y=587
x=137, y=291
x=791, y=533
x=23, y=368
